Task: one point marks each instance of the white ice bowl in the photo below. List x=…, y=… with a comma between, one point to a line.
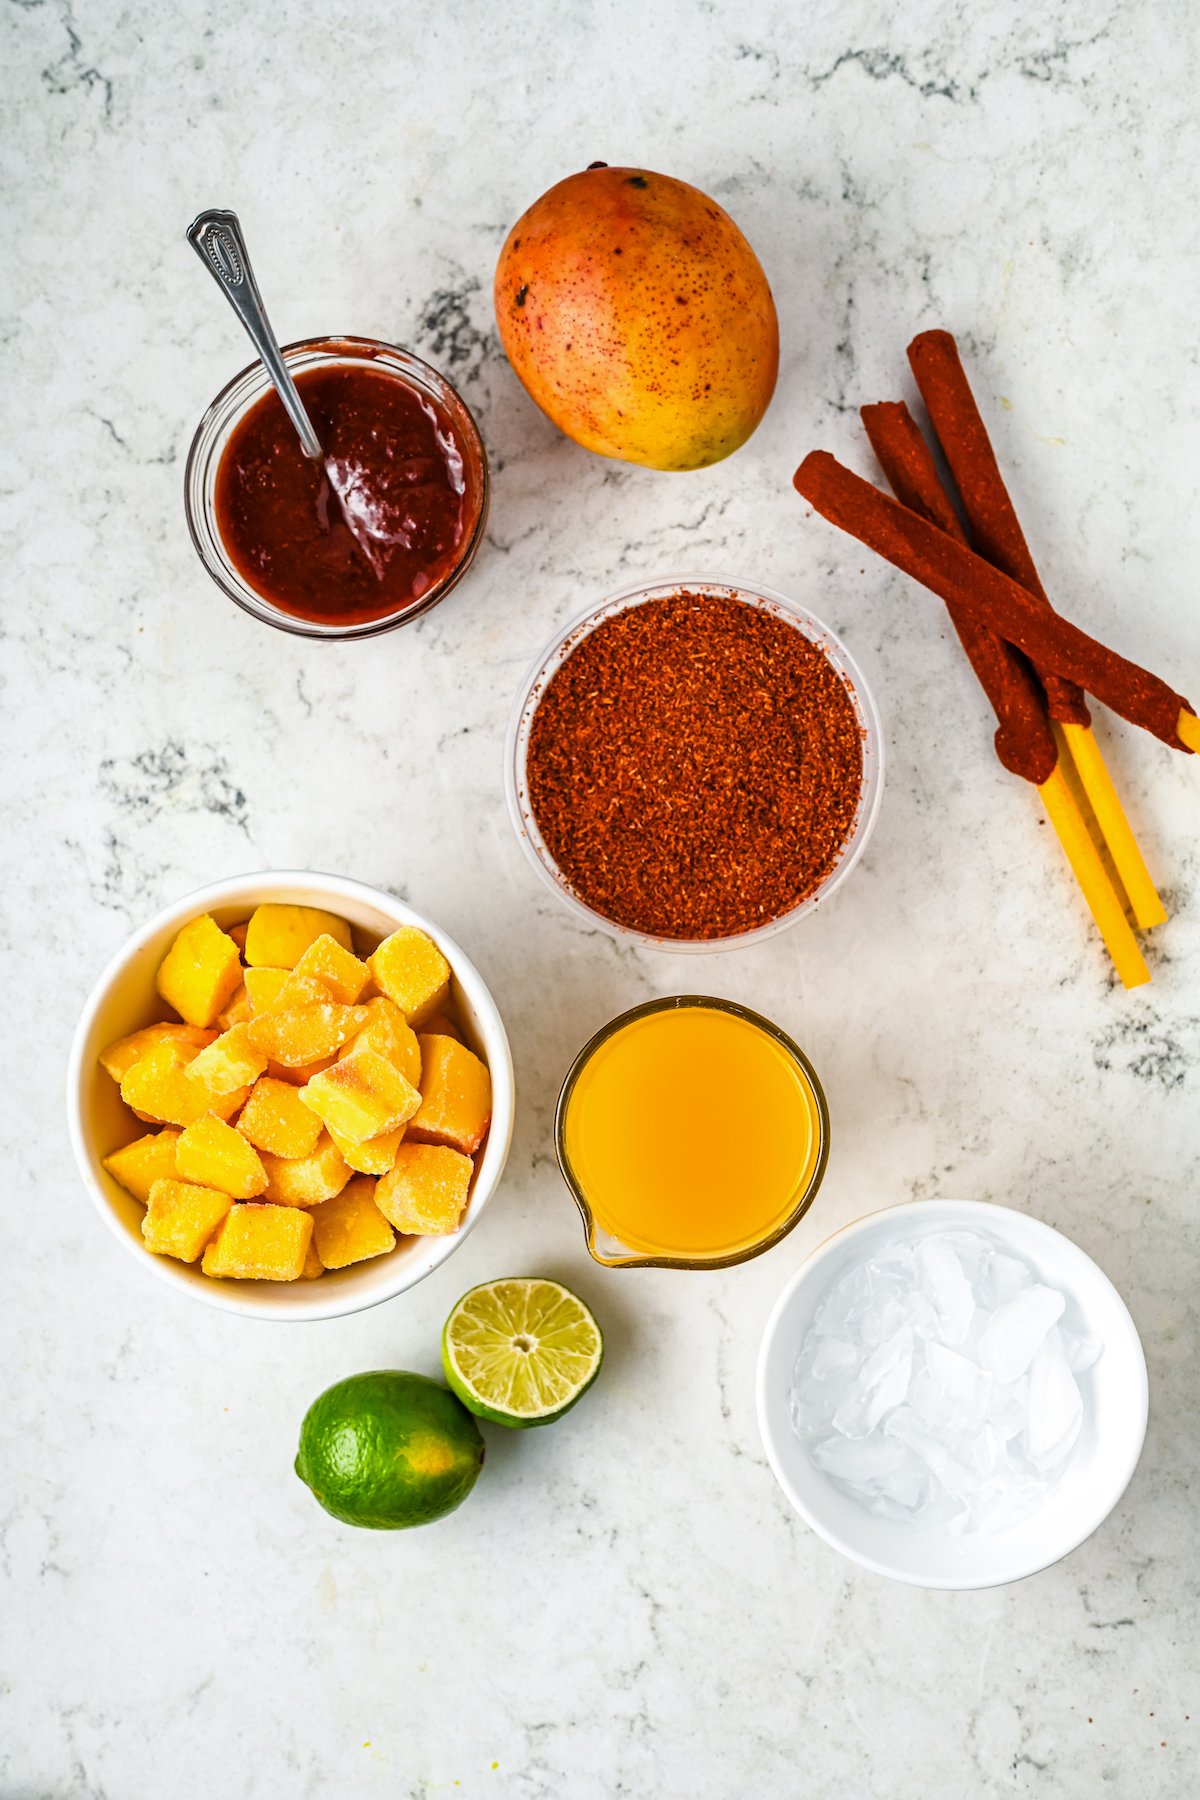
x=124, y=998
x=1097, y=1473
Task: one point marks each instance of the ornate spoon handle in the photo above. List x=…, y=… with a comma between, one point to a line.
x=216, y=237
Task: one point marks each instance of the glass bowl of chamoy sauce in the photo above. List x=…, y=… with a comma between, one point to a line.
x=370, y=539
x=694, y=764
x=692, y=1133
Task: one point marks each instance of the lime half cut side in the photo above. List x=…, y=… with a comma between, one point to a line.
x=521, y=1351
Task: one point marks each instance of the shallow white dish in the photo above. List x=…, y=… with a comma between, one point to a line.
x=1100, y=1468
x=124, y=998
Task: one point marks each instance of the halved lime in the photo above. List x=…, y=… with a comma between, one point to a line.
x=521, y=1351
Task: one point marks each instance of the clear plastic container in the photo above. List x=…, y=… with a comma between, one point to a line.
x=556, y=653
x=230, y=408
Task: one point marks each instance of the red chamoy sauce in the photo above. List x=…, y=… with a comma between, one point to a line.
x=386, y=519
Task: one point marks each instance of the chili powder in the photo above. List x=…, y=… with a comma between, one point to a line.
x=694, y=766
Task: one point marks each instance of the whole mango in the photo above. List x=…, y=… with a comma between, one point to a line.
x=638, y=318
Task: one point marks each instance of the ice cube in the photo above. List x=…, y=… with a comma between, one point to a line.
x=880, y=1384
x=999, y=1278
x=833, y=1356
x=961, y=1380
x=845, y=1303
x=945, y=1285
x=1016, y=1331
x=858, y=1459
x=1081, y=1350
x=1055, y=1406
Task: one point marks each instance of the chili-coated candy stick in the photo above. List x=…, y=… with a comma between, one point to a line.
x=997, y=535
x=1024, y=741
x=995, y=529
x=1028, y=747
x=990, y=598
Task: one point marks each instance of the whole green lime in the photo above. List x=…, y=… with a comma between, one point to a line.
x=387, y=1450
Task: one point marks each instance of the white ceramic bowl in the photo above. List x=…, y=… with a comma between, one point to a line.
x=556, y=653
x=124, y=998
x=1096, y=1475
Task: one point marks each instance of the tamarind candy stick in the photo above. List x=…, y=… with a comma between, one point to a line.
x=995, y=529
x=988, y=597
x=997, y=535
x=1016, y=698
x=1024, y=741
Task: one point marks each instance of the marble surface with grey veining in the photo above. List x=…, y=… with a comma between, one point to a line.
x=626, y=1606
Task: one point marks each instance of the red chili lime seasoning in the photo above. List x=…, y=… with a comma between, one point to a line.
x=694, y=766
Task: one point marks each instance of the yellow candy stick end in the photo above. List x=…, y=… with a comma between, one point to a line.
x=1098, y=890
x=1115, y=828
x=1188, y=730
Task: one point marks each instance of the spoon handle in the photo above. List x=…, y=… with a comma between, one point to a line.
x=216, y=237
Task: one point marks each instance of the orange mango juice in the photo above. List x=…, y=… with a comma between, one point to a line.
x=691, y=1132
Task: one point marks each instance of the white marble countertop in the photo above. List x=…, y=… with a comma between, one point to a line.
x=626, y=1606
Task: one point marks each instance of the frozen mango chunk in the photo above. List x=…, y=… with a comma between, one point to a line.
x=120, y=1057
x=181, y=1217
x=230, y=1061
x=306, y=1180
x=275, y=1119
x=350, y=1228
x=456, y=1095
x=238, y=934
x=410, y=970
x=335, y=967
x=442, y=1025
x=388, y=1031
x=361, y=1096
x=237, y=1010
x=426, y=1190
x=293, y=1035
x=159, y=1086
x=201, y=971
x=148, y=1159
x=313, y=1266
x=277, y=936
x=374, y=1156
x=260, y=1243
x=302, y=1074
x=262, y=987
x=217, y=1156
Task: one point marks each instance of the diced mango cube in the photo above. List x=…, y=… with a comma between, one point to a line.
x=456, y=1095
x=306, y=1180
x=230, y=1061
x=374, y=1156
x=120, y=1057
x=277, y=936
x=388, y=1031
x=260, y=1243
x=442, y=1025
x=238, y=1009
x=410, y=969
x=304, y=1034
x=217, y=1156
x=148, y=1159
x=159, y=1086
x=238, y=934
x=350, y=1228
x=302, y=1074
x=426, y=1190
x=275, y=1119
x=313, y=1266
x=361, y=1096
x=262, y=987
x=334, y=967
x=181, y=1217
x=201, y=971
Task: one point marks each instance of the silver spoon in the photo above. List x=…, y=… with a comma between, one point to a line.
x=216, y=237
